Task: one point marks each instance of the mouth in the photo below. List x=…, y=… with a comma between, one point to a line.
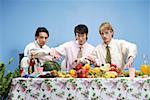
x=81, y=42
x=104, y=39
x=42, y=43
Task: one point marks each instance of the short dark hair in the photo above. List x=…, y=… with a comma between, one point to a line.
x=41, y=29
x=81, y=29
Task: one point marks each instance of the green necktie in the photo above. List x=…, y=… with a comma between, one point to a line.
x=108, y=56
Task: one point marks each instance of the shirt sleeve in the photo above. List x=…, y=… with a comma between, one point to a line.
x=128, y=48
x=96, y=56
x=62, y=49
x=26, y=50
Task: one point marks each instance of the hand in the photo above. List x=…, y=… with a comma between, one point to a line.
x=33, y=54
x=129, y=63
x=57, y=56
x=75, y=63
x=91, y=59
x=54, y=54
x=36, y=53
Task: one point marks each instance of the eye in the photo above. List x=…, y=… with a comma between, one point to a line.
x=46, y=37
x=106, y=32
x=42, y=37
x=101, y=33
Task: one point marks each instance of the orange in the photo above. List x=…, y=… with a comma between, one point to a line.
x=145, y=69
x=72, y=72
x=84, y=67
x=87, y=66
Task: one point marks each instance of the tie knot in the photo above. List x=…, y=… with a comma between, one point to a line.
x=107, y=46
x=80, y=47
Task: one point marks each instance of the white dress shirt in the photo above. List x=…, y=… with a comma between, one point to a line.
x=120, y=51
x=70, y=51
x=34, y=46
x=43, y=53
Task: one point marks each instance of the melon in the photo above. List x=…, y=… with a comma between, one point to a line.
x=51, y=65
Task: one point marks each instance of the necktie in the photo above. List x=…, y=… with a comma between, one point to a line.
x=108, y=56
x=79, y=55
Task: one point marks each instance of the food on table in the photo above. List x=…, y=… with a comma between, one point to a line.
x=145, y=69
x=51, y=65
x=110, y=74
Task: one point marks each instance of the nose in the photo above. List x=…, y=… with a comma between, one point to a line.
x=44, y=39
x=80, y=38
x=104, y=35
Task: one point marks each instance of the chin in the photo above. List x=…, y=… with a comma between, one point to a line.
x=81, y=43
x=106, y=42
x=42, y=44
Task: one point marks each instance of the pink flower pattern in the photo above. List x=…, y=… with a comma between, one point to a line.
x=80, y=89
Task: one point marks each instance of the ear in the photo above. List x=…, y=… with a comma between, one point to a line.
x=86, y=38
x=76, y=37
x=112, y=34
x=35, y=37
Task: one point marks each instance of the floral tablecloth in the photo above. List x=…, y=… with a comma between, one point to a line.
x=80, y=89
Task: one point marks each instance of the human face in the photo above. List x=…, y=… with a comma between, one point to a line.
x=106, y=36
x=42, y=38
x=81, y=38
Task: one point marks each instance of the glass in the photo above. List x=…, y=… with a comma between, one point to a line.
x=132, y=73
x=40, y=69
x=145, y=68
x=145, y=59
x=23, y=71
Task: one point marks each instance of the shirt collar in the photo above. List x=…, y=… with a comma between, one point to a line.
x=76, y=42
x=36, y=43
x=110, y=44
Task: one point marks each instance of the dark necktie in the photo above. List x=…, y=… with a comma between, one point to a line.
x=79, y=55
x=108, y=56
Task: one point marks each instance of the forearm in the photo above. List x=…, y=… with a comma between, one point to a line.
x=129, y=62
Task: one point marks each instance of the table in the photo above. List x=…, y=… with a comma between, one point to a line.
x=121, y=88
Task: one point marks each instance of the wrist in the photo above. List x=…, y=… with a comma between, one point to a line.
x=130, y=58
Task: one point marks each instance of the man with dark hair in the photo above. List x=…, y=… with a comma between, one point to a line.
x=41, y=37
x=41, y=29
x=36, y=47
x=77, y=49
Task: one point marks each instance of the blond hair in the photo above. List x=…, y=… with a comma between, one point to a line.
x=105, y=26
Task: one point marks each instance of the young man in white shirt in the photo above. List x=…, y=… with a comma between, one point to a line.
x=39, y=45
x=41, y=37
x=71, y=49
x=122, y=53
